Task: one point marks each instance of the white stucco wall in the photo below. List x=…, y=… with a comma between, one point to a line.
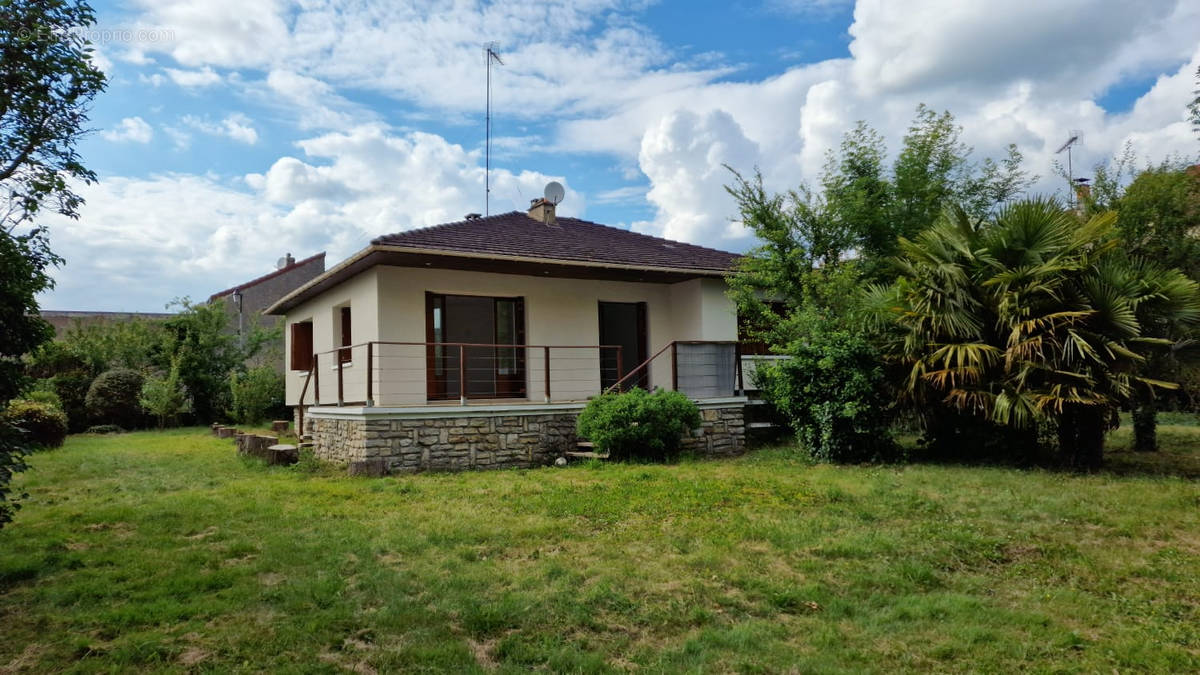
x=557, y=312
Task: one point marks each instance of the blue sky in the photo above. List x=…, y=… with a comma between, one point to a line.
x=236, y=130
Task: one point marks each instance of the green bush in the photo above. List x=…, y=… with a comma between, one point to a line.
x=163, y=396
x=113, y=398
x=44, y=393
x=257, y=394
x=72, y=388
x=833, y=392
x=638, y=424
x=44, y=425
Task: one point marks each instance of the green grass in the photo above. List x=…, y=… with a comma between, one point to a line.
x=165, y=551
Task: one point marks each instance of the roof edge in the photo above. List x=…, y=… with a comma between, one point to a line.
x=290, y=300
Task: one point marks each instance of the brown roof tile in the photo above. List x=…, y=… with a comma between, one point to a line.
x=516, y=234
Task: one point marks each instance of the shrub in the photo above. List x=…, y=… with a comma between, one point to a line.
x=257, y=394
x=163, y=396
x=638, y=424
x=113, y=398
x=72, y=389
x=105, y=429
x=43, y=424
x=44, y=393
x=833, y=392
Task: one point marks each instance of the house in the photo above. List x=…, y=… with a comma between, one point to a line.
x=244, y=303
x=475, y=344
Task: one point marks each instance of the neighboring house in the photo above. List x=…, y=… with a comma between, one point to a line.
x=476, y=343
x=245, y=302
x=65, y=320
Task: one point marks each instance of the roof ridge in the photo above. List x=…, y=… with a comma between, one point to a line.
x=438, y=226
x=269, y=275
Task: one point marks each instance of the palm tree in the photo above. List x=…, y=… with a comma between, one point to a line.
x=1030, y=317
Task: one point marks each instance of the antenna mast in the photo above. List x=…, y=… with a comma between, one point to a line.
x=489, y=55
x=1070, y=169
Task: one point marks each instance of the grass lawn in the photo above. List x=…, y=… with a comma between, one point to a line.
x=165, y=551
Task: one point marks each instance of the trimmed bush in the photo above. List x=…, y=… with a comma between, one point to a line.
x=113, y=398
x=44, y=424
x=638, y=424
x=833, y=391
x=257, y=394
x=72, y=389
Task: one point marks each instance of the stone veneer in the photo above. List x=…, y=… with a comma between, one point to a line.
x=413, y=440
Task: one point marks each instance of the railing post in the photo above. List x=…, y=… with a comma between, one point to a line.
x=674, y=366
x=462, y=375
x=370, y=380
x=620, y=371
x=341, y=392
x=316, y=362
x=546, y=358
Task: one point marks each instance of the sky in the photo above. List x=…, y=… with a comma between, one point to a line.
x=235, y=131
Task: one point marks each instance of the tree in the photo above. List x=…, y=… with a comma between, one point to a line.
x=1029, y=317
x=1194, y=106
x=47, y=81
x=163, y=395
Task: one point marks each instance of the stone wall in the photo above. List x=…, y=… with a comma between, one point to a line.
x=405, y=443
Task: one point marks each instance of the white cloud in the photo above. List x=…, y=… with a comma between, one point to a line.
x=685, y=156
x=315, y=103
x=236, y=127
x=131, y=129
x=189, y=79
x=140, y=242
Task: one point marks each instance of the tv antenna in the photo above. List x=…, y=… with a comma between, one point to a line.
x=1075, y=135
x=489, y=55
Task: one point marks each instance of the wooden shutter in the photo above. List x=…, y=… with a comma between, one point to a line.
x=302, y=345
x=344, y=355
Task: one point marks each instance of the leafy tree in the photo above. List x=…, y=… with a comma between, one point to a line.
x=46, y=83
x=208, y=354
x=163, y=395
x=1029, y=317
x=1194, y=106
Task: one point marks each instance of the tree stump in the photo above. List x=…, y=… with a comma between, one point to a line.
x=283, y=454
x=280, y=426
x=224, y=432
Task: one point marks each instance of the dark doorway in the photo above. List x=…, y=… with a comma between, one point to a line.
x=492, y=371
x=624, y=324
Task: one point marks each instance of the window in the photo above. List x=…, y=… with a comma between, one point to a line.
x=344, y=354
x=302, y=345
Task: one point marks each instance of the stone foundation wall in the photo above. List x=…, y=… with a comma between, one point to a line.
x=409, y=444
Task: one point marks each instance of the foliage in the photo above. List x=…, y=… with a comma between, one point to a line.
x=207, y=354
x=24, y=263
x=833, y=390
x=105, y=429
x=135, y=344
x=72, y=388
x=113, y=398
x=49, y=80
x=638, y=424
x=1029, y=317
x=257, y=394
x=44, y=424
x=43, y=394
x=13, y=448
x=1194, y=107
x=163, y=396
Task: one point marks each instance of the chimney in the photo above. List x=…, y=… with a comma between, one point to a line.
x=542, y=211
x=289, y=260
x=1083, y=191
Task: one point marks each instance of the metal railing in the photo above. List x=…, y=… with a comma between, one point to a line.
x=415, y=373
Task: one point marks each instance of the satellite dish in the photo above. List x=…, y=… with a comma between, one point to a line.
x=555, y=192
x=281, y=263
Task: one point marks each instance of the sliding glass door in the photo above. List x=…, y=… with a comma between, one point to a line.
x=491, y=371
